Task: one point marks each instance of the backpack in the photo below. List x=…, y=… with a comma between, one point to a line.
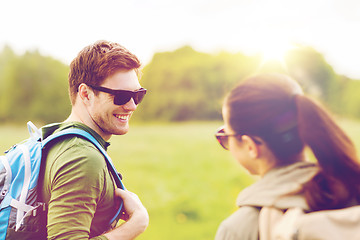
x=295, y=224
x=21, y=214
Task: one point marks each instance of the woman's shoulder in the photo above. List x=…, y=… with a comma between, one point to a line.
x=242, y=224
x=279, y=187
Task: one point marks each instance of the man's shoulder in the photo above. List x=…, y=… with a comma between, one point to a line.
x=72, y=161
x=71, y=149
x=58, y=127
x=52, y=128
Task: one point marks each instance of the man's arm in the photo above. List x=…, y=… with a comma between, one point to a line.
x=76, y=181
x=136, y=217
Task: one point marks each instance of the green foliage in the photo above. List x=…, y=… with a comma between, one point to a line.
x=187, y=85
x=182, y=85
x=318, y=78
x=312, y=71
x=32, y=87
x=348, y=101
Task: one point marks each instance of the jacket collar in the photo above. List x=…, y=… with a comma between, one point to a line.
x=279, y=187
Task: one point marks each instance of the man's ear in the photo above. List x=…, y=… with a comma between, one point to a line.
x=252, y=148
x=85, y=94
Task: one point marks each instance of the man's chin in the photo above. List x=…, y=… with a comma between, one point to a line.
x=121, y=131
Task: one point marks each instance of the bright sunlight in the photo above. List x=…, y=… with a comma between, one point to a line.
x=272, y=45
x=275, y=51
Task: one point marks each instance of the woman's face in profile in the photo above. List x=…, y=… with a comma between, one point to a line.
x=238, y=148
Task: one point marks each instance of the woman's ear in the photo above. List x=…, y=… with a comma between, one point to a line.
x=84, y=93
x=250, y=146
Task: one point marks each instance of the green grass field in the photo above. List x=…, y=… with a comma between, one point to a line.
x=187, y=182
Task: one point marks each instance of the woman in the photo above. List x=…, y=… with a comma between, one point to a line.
x=268, y=122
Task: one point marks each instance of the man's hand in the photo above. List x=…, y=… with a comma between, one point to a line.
x=132, y=204
x=135, y=215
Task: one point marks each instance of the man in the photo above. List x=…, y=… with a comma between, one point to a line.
x=78, y=188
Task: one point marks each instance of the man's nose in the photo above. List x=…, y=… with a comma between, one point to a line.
x=130, y=105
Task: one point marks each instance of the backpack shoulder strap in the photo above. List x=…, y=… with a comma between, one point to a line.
x=89, y=137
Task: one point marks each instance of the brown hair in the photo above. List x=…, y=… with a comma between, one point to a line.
x=271, y=106
x=98, y=61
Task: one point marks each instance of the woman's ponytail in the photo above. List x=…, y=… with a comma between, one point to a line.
x=338, y=179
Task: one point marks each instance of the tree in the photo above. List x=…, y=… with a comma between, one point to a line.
x=312, y=71
x=189, y=85
x=34, y=88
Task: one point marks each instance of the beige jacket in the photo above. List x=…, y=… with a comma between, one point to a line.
x=277, y=188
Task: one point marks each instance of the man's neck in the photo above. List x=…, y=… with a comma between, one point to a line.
x=87, y=120
x=73, y=117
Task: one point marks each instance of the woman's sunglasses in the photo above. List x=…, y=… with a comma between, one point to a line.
x=123, y=96
x=223, y=138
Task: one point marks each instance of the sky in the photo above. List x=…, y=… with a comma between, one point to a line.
x=62, y=28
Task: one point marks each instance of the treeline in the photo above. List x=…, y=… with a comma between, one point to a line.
x=182, y=85
x=190, y=85
x=33, y=87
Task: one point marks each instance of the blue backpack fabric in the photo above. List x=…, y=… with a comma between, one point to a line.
x=21, y=213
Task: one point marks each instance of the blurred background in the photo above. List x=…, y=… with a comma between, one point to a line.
x=193, y=53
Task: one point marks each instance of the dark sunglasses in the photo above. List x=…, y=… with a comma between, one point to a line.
x=223, y=138
x=123, y=96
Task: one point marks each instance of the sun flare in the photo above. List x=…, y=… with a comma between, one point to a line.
x=275, y=51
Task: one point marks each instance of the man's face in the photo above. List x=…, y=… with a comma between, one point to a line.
x=110, y=118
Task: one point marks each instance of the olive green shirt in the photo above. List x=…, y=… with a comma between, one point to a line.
x=77, y=186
